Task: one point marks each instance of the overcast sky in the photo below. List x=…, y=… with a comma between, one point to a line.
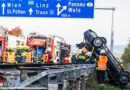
x=72, y=29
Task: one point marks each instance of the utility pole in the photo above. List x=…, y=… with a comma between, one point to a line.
x=112, y=25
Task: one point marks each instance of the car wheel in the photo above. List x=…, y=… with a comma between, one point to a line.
x=104, y=40
x=124, y=78
x=97, y=42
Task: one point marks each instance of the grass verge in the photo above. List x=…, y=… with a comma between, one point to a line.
x=92, y=84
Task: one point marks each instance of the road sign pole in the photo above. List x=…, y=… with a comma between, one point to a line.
x=112, y=31
x=112, y=26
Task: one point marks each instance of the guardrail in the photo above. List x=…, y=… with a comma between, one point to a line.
x=45, y=76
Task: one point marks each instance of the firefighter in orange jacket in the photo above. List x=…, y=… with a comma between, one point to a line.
x=10, y=56
x=4, y=58
x=28, y=55
x=101, y=67
x=47, y=57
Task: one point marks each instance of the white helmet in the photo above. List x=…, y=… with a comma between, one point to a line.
x=88, y=53
x=102, y=51
x=48, y=50
x=74, y=53
x=121, y=60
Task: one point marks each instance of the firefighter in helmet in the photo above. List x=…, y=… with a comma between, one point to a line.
x=18, y=53
x=47, y=57
x=22, y=60
x=82, y=58
x=73, y=58
x=120, y=63
x=4, y=58
x=28, y=55
x=10, y=56
x=101, y=67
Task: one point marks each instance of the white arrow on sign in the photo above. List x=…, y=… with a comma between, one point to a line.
x=3, y=8
x=30, y=11
x=58, y=9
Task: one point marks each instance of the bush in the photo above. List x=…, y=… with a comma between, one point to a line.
x=126, y=55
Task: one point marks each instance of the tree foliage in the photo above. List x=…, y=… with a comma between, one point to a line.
x=126, y=55
x=3, y=29
x=17, y=31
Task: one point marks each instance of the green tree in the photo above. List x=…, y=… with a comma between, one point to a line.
x=126, y=55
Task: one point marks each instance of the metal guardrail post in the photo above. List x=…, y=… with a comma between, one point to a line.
x=83, y=82
x=78, y=84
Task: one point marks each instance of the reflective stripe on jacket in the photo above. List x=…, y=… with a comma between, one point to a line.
x=73, y=59
x=4, y=56
x=23, y=54
x=47, y=58
x=82, y=58
x=28, y=57
x=102, y=62
x=11, y=57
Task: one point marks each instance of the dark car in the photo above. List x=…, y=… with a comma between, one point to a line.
x=115, y=73
x=92, y=38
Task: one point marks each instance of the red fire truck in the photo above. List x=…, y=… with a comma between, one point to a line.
x=38, y=44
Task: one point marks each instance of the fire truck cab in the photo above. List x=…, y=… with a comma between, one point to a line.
x=38, y=45
x=61, y=50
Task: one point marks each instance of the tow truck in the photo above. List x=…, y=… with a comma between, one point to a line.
x=116, y=74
